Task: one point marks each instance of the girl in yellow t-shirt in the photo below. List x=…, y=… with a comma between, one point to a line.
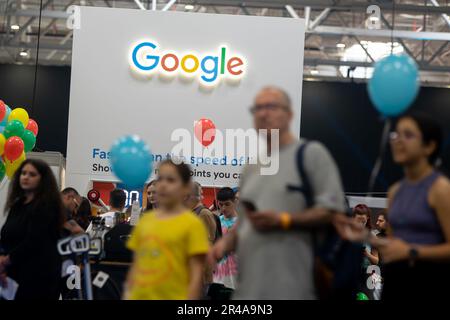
x=169, y=244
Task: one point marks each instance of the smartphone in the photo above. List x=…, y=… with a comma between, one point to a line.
x=250, y=206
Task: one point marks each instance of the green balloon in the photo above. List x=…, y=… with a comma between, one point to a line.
x=13, y=128
x=2, y=170
x=29, y=140
x=361, y=296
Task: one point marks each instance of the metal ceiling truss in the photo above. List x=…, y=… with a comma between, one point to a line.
x=329, y=22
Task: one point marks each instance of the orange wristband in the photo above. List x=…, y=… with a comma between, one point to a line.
x=285, y=220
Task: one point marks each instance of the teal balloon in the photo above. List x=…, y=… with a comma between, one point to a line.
x=394, y=84
x=14, y=128
x=29, y=140
x=131, y=161
x=361, y=296
x=5, y=119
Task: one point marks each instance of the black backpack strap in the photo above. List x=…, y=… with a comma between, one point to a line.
x=218, y=227
x=305, y=186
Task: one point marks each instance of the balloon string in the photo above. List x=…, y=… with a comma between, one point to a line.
x=392, y=27
x=37, y=59
x=379, y=161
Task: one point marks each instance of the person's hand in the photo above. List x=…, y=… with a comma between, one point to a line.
x=393, y=250
x=265, y=220
x=349, y=229
x=73, y=227
x=217, y=252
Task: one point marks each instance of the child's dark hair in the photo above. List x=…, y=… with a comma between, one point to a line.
x=183, y=170
x=226, y=194
x=430, y=129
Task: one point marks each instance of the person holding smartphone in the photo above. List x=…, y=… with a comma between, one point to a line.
x=274, y=241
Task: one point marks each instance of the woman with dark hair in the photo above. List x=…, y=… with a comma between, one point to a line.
x=417, y=250
x=31, y=231
x=150, y=189
x=83, y=213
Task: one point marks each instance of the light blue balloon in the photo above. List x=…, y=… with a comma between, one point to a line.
x=394, y=84
x=5, y=119
x=131, y=161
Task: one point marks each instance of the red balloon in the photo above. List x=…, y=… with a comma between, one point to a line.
x=13, y=148
x=2, y=110
x=33, y=127
x=205, y=131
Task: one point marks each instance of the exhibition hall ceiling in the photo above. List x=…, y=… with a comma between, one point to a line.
x=344, y=37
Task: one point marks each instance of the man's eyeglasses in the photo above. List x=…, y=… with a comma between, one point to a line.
x=267, y=106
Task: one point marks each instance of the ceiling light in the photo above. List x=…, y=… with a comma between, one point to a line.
x=188, y=7
x=314, y=72
x=340, y=45
x=23, y=53
x=15, y=27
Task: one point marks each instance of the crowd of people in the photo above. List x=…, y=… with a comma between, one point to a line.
x=259, y=241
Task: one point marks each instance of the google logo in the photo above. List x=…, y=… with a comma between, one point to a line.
x=146, y=59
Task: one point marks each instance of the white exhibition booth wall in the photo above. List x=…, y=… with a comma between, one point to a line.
x=112, y=96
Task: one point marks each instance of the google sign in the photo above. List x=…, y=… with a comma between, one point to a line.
x=146, y=59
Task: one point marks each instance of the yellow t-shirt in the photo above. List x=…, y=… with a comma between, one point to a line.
x=162, y=248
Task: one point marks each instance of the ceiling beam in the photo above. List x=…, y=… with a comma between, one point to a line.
x=45, y=13
x=437, y=52
x=42, y=45
x=405, y=47
x=333, y=62
x=382, y=33
x=24, y=27
x=319, y=30
x=348, y=5
x=320, y=18
x=444, y=16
